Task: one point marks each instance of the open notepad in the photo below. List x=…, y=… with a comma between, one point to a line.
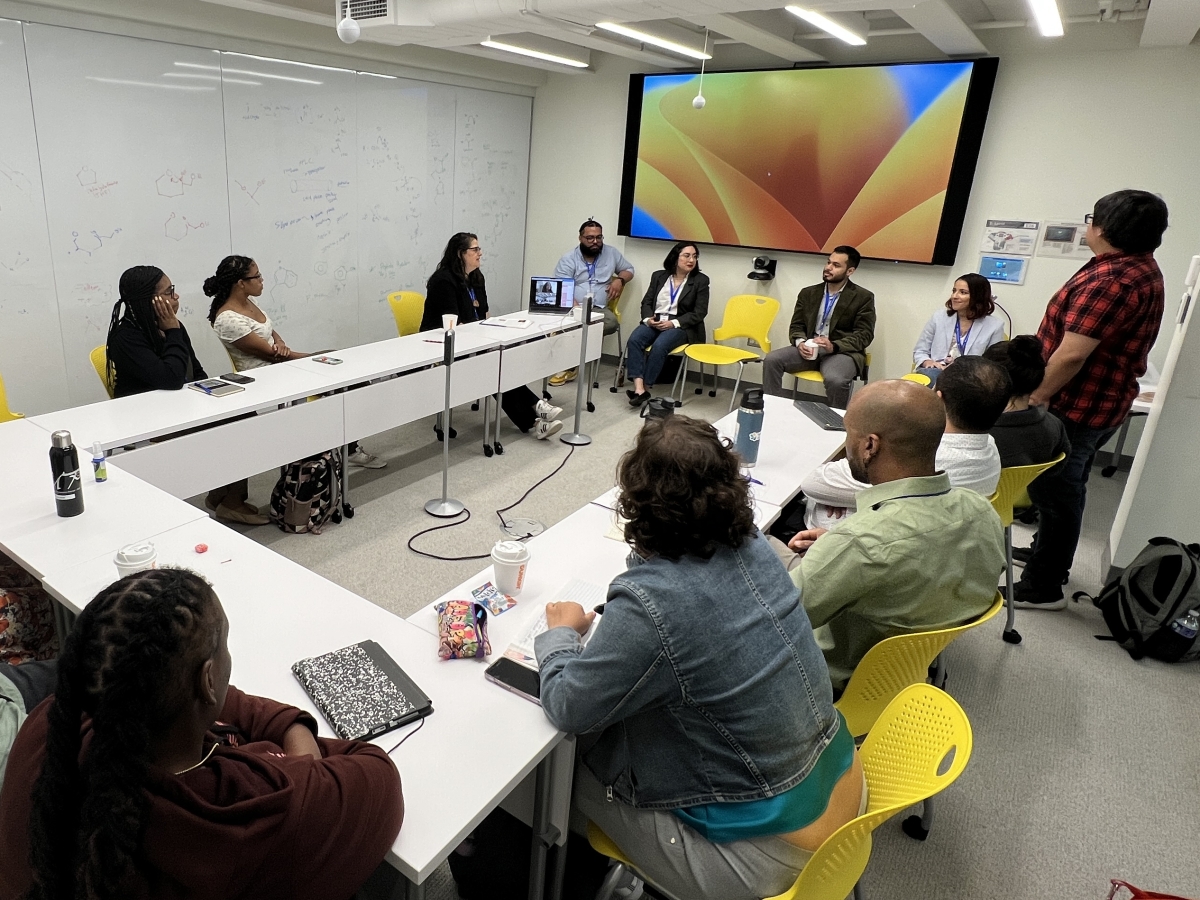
x=586, y=594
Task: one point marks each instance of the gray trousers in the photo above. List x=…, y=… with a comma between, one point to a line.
x=678, y=860
x=837, y=369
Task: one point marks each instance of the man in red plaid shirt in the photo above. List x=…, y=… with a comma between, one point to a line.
x=1096, y=334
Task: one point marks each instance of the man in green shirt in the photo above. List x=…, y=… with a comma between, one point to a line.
x=919, y=555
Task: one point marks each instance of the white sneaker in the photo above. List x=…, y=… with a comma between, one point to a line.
x=364, y=460
x=544, y=429
x=546, y=411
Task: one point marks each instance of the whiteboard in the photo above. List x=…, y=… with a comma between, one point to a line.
x=31, y=356
x=342, y=186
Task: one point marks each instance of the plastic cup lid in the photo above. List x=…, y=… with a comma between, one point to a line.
x=510, y=551
x=135, y=554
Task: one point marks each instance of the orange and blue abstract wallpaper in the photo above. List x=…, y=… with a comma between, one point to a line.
x=801, y=159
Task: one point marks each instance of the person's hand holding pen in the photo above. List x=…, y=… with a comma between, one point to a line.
x=570, y=614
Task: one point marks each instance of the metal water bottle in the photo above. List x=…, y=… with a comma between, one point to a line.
x=64, y=465
x=749, y=425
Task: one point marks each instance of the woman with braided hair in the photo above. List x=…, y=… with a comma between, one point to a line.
x=148, y=347
x=148, y=775
x=247, y=332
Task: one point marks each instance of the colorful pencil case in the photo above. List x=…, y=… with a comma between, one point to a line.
x=462, y=630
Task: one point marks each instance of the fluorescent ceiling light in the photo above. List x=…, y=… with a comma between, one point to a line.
x=829, y=25
x=536, y=54
x=655, y=41
x=287, y=62
x=211, y=78
x=254, y=74
x=377, y=75
x=1046, y=13
x=149, y=84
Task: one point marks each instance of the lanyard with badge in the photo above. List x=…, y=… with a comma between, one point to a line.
x=827, y=311
x=474, y=302
x=673, y=291
x=591, y=267
x=960, y=339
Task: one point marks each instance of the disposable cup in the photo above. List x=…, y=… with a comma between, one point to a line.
x=135, y=558
x=510, y=559
x=449, y=321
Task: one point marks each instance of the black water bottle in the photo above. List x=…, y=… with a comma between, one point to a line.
x=64, y=464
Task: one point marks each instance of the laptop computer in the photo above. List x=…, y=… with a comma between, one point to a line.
x=554, y=296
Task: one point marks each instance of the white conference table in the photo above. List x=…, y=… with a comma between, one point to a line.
x=790, y=446
x=505, y=736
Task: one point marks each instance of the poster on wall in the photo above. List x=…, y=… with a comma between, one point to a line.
x=1012, y=237
x=1065, y=240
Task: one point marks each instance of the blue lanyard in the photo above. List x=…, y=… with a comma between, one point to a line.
x=471, y=294
x=961, y=339
x=591, y=267
x=828, y=308
x=674, y=291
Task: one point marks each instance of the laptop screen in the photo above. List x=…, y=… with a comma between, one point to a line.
x=551, y=295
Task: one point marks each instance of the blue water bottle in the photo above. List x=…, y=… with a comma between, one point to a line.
x=749, y=426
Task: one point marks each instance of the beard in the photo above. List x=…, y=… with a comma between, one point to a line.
x=858, y=469
x=829, y=278
x=590, y=252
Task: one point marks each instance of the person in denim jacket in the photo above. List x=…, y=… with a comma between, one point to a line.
x=713, y=755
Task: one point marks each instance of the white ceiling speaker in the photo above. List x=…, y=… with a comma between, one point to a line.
x=348, y=30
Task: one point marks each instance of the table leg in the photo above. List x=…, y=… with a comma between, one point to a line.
x=413, y=891
x=1115, y=463
x=544, y=834
x=64, y=620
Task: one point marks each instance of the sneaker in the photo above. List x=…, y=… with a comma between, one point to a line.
x=546, y=411
x=1025, y=597
x=564, y=377
x=545, y=429
x=240, y=514
x=364, y=460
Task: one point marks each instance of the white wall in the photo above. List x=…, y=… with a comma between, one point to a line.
x=1069, y=123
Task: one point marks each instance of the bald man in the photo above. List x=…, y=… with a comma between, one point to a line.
x=918, y=555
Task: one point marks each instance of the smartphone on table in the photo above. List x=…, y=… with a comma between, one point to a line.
x=512, y=676
x=237, y=379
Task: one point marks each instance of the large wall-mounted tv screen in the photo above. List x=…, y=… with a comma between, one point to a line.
x=879, y=157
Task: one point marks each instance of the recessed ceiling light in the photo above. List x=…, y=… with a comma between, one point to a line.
x=644, y=38
x=1049, y=21
x=536, y=54
x=829, y=25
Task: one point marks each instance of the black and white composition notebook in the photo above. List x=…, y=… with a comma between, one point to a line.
x=361, y=691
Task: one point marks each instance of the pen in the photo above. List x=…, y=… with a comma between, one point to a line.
x=599, y=610
x=753, y=480
x=431, y=341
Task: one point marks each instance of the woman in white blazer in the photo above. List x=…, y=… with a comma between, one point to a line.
x=966, y=328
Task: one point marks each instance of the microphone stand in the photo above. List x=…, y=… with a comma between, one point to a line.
x=577, y=438
x=445, y=507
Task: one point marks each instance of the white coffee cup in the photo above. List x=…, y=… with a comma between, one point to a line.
x=449, y=321
x=135, y=558
x=510, y=559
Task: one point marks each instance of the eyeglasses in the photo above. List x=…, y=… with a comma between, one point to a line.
x=591, y=238
x=478, y=250
x=257, y=277
x=170, y=291
x=1087, y=220
x=689, y=255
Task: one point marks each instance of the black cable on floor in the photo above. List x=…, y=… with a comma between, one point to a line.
x=500, y=513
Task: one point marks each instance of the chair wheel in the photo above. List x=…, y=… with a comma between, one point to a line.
x=1012, y=637
x=499, y=449
x=712, y=393
x=699, y=390
x=914, y=829
x=678, y=403
x=591, y=407
x=546, y=395
x=348, y=510
x=595, y=384
x=612, y=390
x=453, y=433
x=475, y=406
x=1108, y=471
x=487, y=450
x=336, y=517
x=440, y=434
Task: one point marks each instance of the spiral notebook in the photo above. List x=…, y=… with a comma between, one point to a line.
x=361, y=691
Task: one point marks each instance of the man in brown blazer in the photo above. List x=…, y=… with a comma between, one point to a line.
x=832, y=327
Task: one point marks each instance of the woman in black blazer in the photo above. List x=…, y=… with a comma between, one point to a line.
x=456, y=288
x=673, y=312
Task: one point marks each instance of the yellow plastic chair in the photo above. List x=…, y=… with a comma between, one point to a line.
x=746, y=316
x=902, y=760
x=814, y=375
x=6, y=414
x=99, y=358
x=892, y=665
x=917, y=378
x=1012, y=493
x=407, y=308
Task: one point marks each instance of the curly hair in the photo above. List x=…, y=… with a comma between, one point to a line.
x=981, y=305
x=231, y=270
x=682, y=491
x=128, y=664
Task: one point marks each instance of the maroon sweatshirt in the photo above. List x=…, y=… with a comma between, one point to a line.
x=250, y=822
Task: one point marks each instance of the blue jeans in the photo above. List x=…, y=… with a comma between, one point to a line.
x=1060, y=496
x=659, y=343
x=931, y=373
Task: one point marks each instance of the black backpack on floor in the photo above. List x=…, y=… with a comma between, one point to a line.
x=308, y=494
x=1145, y=607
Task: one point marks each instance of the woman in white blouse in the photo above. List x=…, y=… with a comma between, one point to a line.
x=247, y=332
x=966, y=328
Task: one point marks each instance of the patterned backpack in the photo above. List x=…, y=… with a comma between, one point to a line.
x=308, y=494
